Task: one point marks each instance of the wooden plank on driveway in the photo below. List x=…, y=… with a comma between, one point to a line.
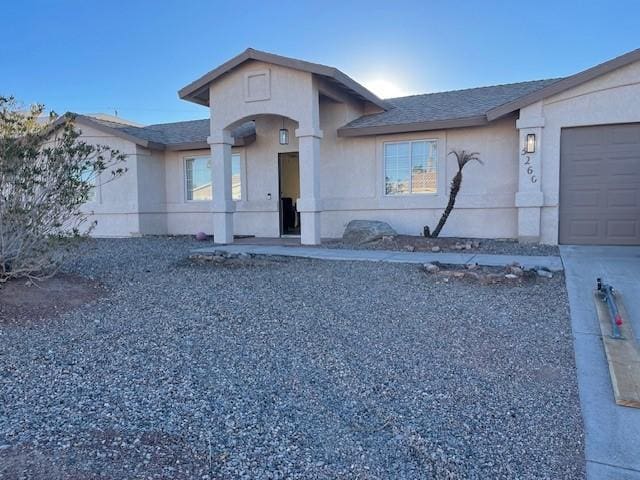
x=623, y=355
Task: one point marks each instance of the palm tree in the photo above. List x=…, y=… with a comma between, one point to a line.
x=463, y=158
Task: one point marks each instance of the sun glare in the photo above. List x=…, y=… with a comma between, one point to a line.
x=385, y=89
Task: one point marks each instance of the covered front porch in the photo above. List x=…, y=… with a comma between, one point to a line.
x=282, y=176
x=283, y=96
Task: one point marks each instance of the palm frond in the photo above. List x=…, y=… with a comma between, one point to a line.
x=463, y=157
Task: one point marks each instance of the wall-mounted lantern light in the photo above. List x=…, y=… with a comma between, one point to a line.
x=530, y=144
x=284, y=135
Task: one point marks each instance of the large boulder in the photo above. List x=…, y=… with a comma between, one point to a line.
x=359, y=232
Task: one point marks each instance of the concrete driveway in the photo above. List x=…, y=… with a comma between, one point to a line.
x=612, y=432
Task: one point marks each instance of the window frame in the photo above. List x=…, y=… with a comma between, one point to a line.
x=186, y=158
x=242, y=179
x=410, y=142
x=95, y=195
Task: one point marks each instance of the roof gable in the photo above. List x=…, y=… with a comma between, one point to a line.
x=198, y=90
x=564, y=84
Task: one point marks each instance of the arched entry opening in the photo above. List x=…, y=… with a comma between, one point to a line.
x=290, y=197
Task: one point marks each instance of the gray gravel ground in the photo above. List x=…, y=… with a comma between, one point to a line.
x=290, y=369
x=487, y=245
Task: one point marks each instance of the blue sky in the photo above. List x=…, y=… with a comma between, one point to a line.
x=132, y=56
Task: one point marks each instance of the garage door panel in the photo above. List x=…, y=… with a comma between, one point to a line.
x=587, y=168
x=586, y=138
x=622, y=197
x=584, y=198
x=584, y=228
x=622, y=165
x=625, y=135
x=622, y=229
x=600, y=185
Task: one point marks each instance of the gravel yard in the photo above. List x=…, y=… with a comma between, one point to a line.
x=450, y=244
x=289, y=369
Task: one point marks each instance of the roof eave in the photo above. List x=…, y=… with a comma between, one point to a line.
x=475, y=121
x=88, y=121
x=564, y=84
x=82, y=119
x=237, y=142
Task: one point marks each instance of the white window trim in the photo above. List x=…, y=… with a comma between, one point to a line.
x=243, y=180
x=411, y=194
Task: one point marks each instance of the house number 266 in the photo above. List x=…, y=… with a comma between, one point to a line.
x=527, y=163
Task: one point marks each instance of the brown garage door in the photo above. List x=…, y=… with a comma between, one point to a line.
x=600, y=185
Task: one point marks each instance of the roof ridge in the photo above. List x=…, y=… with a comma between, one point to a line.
x=176, y=123
x=556, y=79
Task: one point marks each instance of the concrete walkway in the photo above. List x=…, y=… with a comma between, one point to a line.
x=550, y=262
x=612, y=432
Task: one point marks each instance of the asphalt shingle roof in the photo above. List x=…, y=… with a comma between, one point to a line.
x=430, y=107
x=450, y=105
x=192, y=131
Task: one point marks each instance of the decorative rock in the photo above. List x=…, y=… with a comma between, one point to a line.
x=431, y=268
x=359, y=232
x=492, y=278
x=409, y=248
x=471, y=266
x=516, y=270
x=474, y=275
x=467, y=246
x=201, y=236
x=511, y=276
x=544, y=273
x=435, y=249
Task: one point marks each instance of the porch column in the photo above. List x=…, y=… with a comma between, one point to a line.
x=309, y=204
x=223, y=206
x=529, y=198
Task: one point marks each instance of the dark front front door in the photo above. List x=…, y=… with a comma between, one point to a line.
x=289, y=167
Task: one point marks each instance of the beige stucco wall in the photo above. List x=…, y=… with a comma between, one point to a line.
x=353, y=183
x=289, y=94
x=115, y=204
x=611, y=98
x=151, y=191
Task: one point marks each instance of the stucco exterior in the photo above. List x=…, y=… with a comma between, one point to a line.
x=509, y=195
x=115, y=203
x=613, y=98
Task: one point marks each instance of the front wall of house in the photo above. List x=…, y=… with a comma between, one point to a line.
x=609, y=99
x=353, y=182
x=115, y=203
